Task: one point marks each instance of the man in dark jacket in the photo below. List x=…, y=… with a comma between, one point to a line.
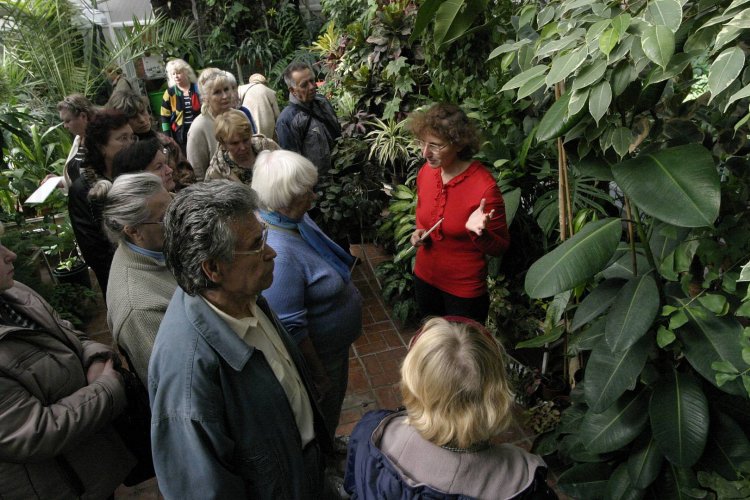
x=308, y=124
x=234, y=410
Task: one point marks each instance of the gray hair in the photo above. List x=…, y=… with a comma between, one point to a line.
x=281, y=176
x=197, y=229
x=295, y=66
x=124, y=201
x=179, y=65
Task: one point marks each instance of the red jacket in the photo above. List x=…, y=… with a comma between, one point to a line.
x=453, y=258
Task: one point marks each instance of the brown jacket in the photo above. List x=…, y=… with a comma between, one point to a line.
x=55, y=436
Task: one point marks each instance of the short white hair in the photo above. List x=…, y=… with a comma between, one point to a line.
x=179, y=65
x=280, y=176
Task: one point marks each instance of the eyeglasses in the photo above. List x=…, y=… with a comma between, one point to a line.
x=127, y=138
x=432, y=148
x=160, y=222
x=263, y=238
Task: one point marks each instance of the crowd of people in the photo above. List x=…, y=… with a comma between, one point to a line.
x=237, y=312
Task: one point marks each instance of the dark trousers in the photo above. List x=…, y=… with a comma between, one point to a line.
x=432, y=301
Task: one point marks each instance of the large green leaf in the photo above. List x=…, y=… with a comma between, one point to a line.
x=588, y=339
x=590, y=74
x=524, y=77
x=678, y=411
x=426, y=13
x=665, y=13
x=724, y=70
x=564, y=65
x=585, y=480
x=644, y=462
x=609, y=374
x=707, y=339
x=658, y=44
x=678, y=185
x=596, y=302
x=616, y=426
x=452, y=21
x=632, y=313
x=575, y=260
x=727, y=447
x=556, y=121
x=599, y=100
x=665, y=238
x=620, y=487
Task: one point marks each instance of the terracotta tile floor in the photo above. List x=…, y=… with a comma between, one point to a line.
x=374, y=364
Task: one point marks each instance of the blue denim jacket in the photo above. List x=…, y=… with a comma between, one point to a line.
x=222, y=426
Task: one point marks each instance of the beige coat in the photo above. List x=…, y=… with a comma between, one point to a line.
x=54, y=425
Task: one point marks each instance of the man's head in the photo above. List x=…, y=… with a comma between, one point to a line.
x=134, y=107
x=300, y=79
x=215, y=242
x=6, y=266
x=75, y=112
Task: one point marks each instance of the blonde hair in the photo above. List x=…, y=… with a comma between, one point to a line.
x=178, y=65
x=280, y=176
x=208, y=79
x=230, y=123
x=454, y=385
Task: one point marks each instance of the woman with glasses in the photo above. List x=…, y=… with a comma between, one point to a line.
x=106, y=134
x=146, y=156
x=238, y=148
x=458, y=401
x=312, y=292
x=460, y=216
x=133, y=208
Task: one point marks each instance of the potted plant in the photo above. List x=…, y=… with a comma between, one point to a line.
x=62, y=256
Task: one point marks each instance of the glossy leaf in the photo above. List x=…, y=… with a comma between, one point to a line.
x=740, y=94
x=664, y=13
x=590, y=74
x=585, y=480
x=531, y=86
x=620, y=487
x=682, y=188
x=676, y=65
x=724, y=70
x=588, y=339
x=621, y=139
x=644, y=462
x=524, y=77
x=577, y=101
x=707, y=339
x=617, y=426
x=658, y=44
x=599, y=100
x=596, y=302
x=575, y=260
x=679, y=417
x=556, y=121
x=632, y=313
x=452, y=19
x=727, y=447
x=425, y=14
x=609, y=374
x=563, y=66
x=608, y=40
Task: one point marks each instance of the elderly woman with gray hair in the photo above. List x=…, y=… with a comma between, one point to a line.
x=312, y=291
x=140, y=284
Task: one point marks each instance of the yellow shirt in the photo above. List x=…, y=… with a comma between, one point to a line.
x=258, y=331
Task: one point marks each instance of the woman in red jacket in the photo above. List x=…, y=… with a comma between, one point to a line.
x=460, y=199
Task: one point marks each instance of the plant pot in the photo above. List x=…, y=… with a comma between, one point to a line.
x=77, y=275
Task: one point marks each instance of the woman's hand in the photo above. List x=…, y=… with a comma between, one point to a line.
x=100, y=368
x=416, y=238
x=478, y=219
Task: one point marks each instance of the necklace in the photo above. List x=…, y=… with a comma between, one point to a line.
x=480, y=446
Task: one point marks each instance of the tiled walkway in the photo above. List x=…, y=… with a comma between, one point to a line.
x=373, y=364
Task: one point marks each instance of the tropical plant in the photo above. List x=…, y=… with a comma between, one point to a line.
x=658, y=328
x=59, y=52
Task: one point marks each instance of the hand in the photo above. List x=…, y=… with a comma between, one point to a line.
x=416, y=238
x=478, y=219
x=99, y=369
